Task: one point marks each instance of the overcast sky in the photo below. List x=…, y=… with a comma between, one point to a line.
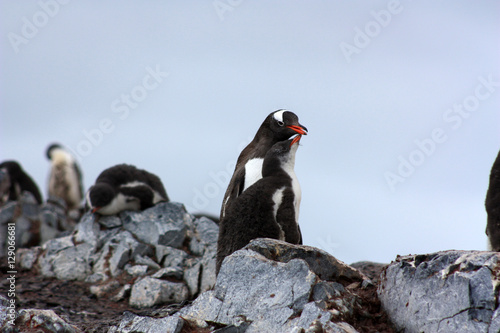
x=401, y=101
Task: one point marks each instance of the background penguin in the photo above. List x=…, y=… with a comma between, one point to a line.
x=268, y=208
x=492, y=204
x=18, y=181
x=278, y=126
x=65, y=180
x=124, y=187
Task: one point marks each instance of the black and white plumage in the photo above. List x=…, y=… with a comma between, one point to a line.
x=65, y=179
x=124, y=187
x=268, y=208
x=278, y=126
x=492, y=205
x=15, y=181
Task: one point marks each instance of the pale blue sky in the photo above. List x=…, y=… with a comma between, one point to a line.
x=178, y=88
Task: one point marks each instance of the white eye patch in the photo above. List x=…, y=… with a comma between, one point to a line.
x=278, y=115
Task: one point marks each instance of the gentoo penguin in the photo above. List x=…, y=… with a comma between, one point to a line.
x=492, y=204
x=65, y=179
x=268, y=208
x=18, y=181
x=278, y=126
x=124, y=187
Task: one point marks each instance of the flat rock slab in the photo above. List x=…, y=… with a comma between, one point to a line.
x=449, y=291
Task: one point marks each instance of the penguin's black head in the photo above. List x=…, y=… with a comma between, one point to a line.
x=283, y=148
x=99, y=196
x=13, y=169
x=284, y=124
x=51, y=148
x=280, y=156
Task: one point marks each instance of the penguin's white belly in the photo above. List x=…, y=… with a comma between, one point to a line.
x=277, y=200
x=253, y=172
x=297, y=193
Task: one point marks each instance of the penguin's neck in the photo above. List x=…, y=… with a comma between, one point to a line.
x=261, y=143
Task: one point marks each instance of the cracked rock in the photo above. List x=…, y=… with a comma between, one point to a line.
x=450, y=291
x=149, y=291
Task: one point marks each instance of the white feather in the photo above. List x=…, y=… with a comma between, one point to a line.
x=253, y=172
x=288, y=166
x=278, y=115
x=277, y=199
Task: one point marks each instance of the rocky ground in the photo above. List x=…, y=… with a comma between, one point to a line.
x=153, y=271
x=95, y=315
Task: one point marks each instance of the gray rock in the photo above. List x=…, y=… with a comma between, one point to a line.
x=144, y=260
x=323, y=264
x=163, y=224
x=103, y=289
x=205, y=235
x=136, y=270
x=8, y=212
x=451, y=291
x=110, y=222
x=73, y=263
x=132, y=323
x=192, y=276
x=205, y=308
x=27, y=257
x=87, y=230
x=46, y=320
x=168, y=256
x=169, y=272
x=62, y=259
x=326, y=290
x=310, y=314
x=55, y=245
x=149, y=291
x=208, y=277
x=262, y=290
x=8, y=314
x=116, y=252
x=27, y=232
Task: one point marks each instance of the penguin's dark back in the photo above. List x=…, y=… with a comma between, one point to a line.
x=124, y=173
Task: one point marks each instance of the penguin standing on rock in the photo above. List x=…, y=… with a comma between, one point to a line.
x=124, y=187
x=65, y=180
x=278, y=126
x=15, y=181
x=268, y=208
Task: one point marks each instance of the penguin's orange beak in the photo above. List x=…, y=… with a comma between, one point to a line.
x=296, y=139
x=299, y=129
x=95, y=209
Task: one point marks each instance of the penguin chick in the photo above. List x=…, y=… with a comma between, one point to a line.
x=269, y=208
x=18, y=181
x=124, y=187
x=278, y=126
x=65, y=179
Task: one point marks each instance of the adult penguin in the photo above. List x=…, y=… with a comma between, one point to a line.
x=278, y=126
x=268, y=208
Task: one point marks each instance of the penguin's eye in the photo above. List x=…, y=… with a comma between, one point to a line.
x=280, y=123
